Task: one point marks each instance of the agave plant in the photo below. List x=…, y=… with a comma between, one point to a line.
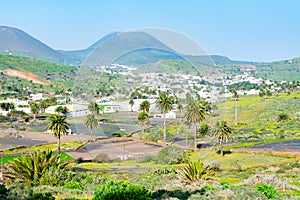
x=31, y=168
x=195, y=173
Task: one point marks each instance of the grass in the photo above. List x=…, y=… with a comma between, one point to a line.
x=246, y=160
x=119, y=165
x=9, y=158
x=64, y=147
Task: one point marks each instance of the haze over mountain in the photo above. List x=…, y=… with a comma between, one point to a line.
x=132, y=48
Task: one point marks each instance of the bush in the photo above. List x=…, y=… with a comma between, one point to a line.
x=19, y=191
x=102, y=158
x=144, y=158
x=213, y=164
x=42, y=196
x=120, y=190
x=283, y=117
x=74, y=185
x=3, y=191
x=171, y=155
x=119, y=133
x=195, y=173
x=268, y=190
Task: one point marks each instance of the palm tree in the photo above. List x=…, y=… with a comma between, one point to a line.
x=180, y=109
x=94, y=108
x=145, y=106
x=59, y=126
x=91, y=122
x=164, y=104
x=131, y=103
x=143, y=118
x=31, y=168
x=235, y=97
x=223, y=132
x=62, y=110
x=34, y=109
x=194, y=114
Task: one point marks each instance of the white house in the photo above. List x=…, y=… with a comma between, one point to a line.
x=169, y=115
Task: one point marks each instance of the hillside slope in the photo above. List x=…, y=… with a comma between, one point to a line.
x=17, y=42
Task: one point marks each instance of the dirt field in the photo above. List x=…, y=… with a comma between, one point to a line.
x=121, y=149
x=24, y=75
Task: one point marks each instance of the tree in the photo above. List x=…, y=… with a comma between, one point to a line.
x=91, y=122
x=94, y=108
x=145, y=106
x=62, y=110
x=131, y=103
x=143, y=118
x=31, y=168
x=194, y=114
x=164, y=104
x=223, y=132
x=180, y=109
x=236, y=98
x=43, y=105
x=34, y=109
x=59, y=126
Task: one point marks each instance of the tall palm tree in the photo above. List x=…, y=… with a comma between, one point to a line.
x=164, y=104
x=180, y=109
x=223, y=132
x=58, y=125
x=91, y=122
x=142, y=119
x=131, y=103
x=145, y=106
x=34, y=109
x=236, y=98
x=94, y=108
x=194, y=114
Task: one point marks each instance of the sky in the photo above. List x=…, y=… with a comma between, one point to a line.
x=251, y=30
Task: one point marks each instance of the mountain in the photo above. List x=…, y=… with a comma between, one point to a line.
x=123, y=44
x=76, y=57
x=17, y=42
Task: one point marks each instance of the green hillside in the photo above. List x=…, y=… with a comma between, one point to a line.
x=287, y=70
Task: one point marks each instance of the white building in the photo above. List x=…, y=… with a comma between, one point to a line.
x=169, y=115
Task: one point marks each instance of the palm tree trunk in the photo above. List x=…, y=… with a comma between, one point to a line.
x=143, y=130
x=92, y=135
x=165, y=135
x=235, y=112
x=221, y=149
x=58, y=146
x=195, y=137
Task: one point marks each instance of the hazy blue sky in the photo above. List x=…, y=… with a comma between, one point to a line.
x=255, y=30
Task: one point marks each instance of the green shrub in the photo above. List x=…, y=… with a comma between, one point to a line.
x=268, y=190
x=119, y=133
x=195, y=173
x=144, y=158
x=74, y=185
x=19, y=191
x=282, y=117
x=3, y=191
x=120, y=190
x=171, y=155
x=224, y=185
x=42, y=196
x=213, y=164
x=206, y=188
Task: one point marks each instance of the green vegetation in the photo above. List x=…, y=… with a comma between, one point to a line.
x=120, y=190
